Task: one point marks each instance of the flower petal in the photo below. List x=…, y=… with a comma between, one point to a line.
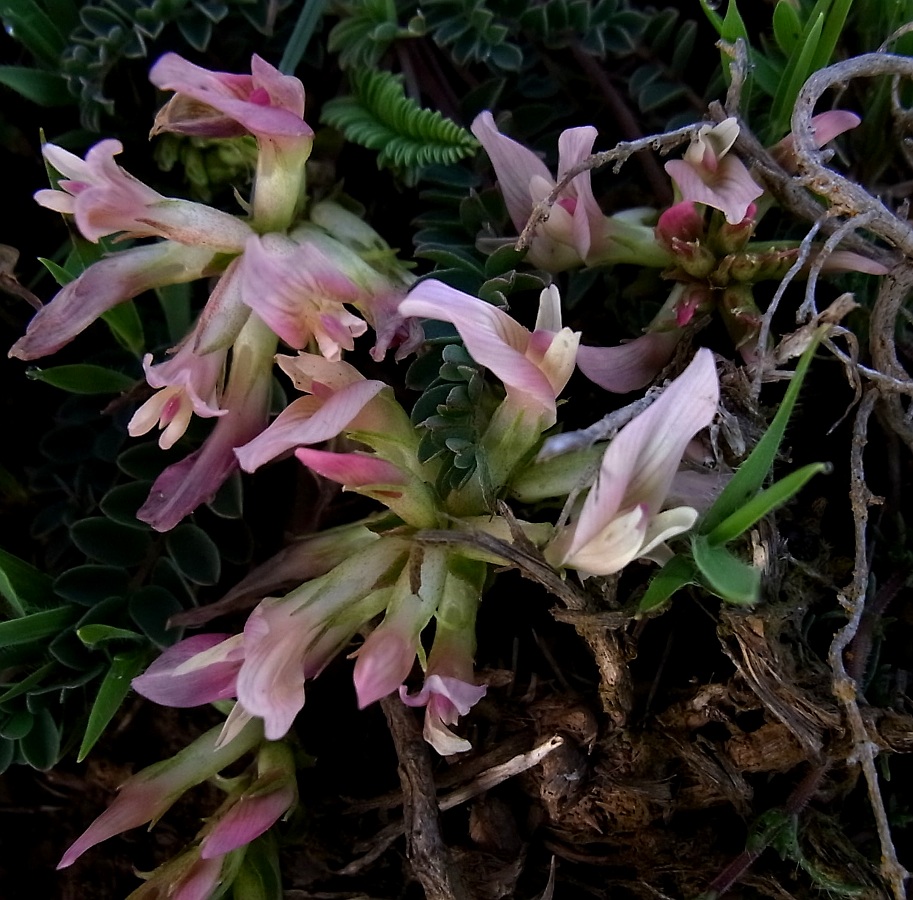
x=630, y=366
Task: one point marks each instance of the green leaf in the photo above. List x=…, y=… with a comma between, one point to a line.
x=175, y=302
x=22, y=585
x=17, y=726
x=122, y=503
x=794, y=76
x=150, y=608
x=43, y=88
x=380, y=116
x=41, y=746
x=83, y=378
x=27, y=683
x=126, y=326
x=672, y=577
x=90, y=584
x=32, y=27
x=38, y=626
x=749, y=477
x=114, y=687
x=787, y=26
x=91, y=635
x=725, y=574
x=761, y=504
x=716, y=20
x=194, y=553
x=61, y=275
x=835, y=13
x=308, y=19
x=110, y=542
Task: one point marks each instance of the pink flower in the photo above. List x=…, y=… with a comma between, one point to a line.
x=289, y=640
x=825, y=127
x=387, y=656
x=105, y=200
x=271, y=795
x=105, y=284
x=182, y=487
x=147, y=795
x=266, y=103
x=187, y=877
x=340, y=398
x=299, y=292
x=200, y=669
x=576, y=230
x=709, y=174
x=534, y=366
x=187, y=383
x=449, y=690
x=622, y=518
x=630, y=366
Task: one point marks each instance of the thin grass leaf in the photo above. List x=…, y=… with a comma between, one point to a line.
x=749, y=477
x=114, y=687
x=22, y=585
x=767, y=501
x=308, y=19
x=670, y=579
x=83, y=378
x=794, y=76
x=38, y=626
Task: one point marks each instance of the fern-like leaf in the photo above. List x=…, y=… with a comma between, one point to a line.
x=379, y=115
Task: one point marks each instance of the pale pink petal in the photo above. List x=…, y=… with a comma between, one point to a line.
x=299, y=292
x=848, y=261
x=271, y=680
x=515, y=166
x=384, y=662
x=250, y=817
x=630, y=366
x=825, y=127
x=162, y=684
x=605, y=546
x=102, y=286
x=492, y=337
x=730, y=188
x=589, y=223
x=200, y=881
x=308, y=420
x=641, y=461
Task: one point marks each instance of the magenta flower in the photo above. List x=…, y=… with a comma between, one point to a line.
x=709, y=174
x=622, y=518
x=146, y=796
x=105, y=284
x=576, y=230
x=104, y=199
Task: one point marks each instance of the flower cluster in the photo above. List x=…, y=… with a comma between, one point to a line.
x=277, y=278
x=703, y=241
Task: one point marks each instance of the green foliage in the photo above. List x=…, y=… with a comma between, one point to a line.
x=473, y=33
x=668, y=46
x=453, y=411
x=378, y=115
x=367, y=30
x=805, y=38
x=740, y=505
